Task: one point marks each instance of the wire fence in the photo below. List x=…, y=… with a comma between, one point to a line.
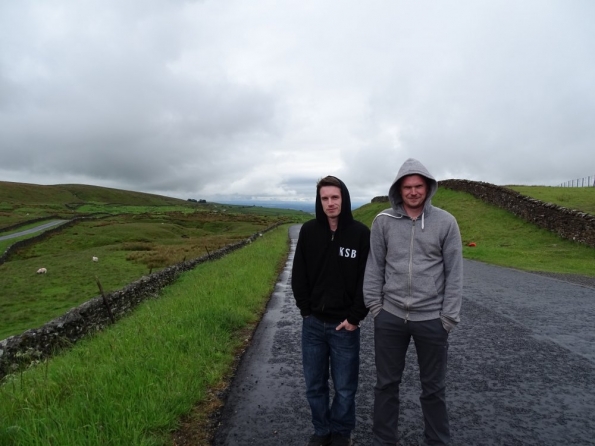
x=580, y=182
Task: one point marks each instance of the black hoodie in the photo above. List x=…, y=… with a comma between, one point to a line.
x=328, y=269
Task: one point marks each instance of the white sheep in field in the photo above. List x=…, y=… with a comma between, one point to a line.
x=95, y=259
x=42, y=271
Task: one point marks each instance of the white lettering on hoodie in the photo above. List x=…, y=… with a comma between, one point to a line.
x=347, y=252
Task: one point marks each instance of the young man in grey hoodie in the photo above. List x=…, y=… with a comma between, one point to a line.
x=413, y=288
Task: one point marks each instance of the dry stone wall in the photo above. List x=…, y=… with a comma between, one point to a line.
x=567, y=223
x=92, y=316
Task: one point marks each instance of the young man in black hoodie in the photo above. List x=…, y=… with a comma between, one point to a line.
x=327, y=280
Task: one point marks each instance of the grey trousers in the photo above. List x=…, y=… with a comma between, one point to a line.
x=391, y=340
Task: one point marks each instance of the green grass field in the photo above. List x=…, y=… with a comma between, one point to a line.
x=137, y=234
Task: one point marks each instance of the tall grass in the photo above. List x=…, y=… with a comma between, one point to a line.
x=130, y=384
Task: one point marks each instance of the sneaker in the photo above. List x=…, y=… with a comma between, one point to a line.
x=339, y=440
x=320, y=440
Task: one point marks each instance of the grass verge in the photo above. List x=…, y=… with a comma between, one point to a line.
x=131, y=384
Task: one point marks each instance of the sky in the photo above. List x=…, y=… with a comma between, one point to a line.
x=235, y=99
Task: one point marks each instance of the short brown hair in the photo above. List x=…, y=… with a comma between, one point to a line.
x=327, y=181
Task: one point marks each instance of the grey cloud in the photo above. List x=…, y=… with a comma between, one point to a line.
x=199, y=97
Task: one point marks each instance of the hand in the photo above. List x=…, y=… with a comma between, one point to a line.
x=347, y=326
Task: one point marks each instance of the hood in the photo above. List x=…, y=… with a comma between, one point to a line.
x=345, y=217
x=411, y=167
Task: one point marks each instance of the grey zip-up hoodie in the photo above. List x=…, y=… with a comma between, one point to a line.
x=415, y=266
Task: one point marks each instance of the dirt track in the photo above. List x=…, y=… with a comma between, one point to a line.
x=521, y=369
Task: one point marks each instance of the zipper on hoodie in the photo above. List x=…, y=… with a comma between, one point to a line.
x=324, y=297
x=408, y=306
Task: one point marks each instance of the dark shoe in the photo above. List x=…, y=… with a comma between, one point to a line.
x=339, y=440
x=318, y=440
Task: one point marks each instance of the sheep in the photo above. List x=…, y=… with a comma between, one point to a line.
x=95, y=259
x=42, y=271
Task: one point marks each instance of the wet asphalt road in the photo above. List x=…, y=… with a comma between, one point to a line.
x=521, y=369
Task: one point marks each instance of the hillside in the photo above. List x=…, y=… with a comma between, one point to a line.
x=63, y=194
x=22, y=202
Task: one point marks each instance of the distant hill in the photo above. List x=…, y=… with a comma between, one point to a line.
x=35, y=194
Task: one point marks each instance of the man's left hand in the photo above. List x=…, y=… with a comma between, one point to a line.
x=347, y=326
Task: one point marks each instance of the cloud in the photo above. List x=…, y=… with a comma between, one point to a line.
x=261, y=99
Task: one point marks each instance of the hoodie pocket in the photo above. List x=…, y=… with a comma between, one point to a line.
x=325, y=300
x=397, y=287
x=423, y=288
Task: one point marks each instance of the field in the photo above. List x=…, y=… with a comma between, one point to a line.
x=132, y=234
x=21, y=202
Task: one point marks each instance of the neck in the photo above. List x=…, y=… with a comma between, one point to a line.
x=333, y=223
x=413, y=212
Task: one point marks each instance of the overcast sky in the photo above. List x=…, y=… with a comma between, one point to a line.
x=234, y=98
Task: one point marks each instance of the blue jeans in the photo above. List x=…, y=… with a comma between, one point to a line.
x=323, y=345
x=391, y=339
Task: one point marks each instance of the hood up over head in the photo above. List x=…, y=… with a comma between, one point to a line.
x=411, y=167
x=345, y=217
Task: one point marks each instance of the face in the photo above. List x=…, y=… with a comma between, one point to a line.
x=414, y=192
x=330, y=196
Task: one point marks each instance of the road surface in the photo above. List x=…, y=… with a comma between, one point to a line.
x=42, y=227
x=521, y=369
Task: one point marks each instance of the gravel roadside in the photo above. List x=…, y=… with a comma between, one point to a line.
x=571, y=278
x=521, y=368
